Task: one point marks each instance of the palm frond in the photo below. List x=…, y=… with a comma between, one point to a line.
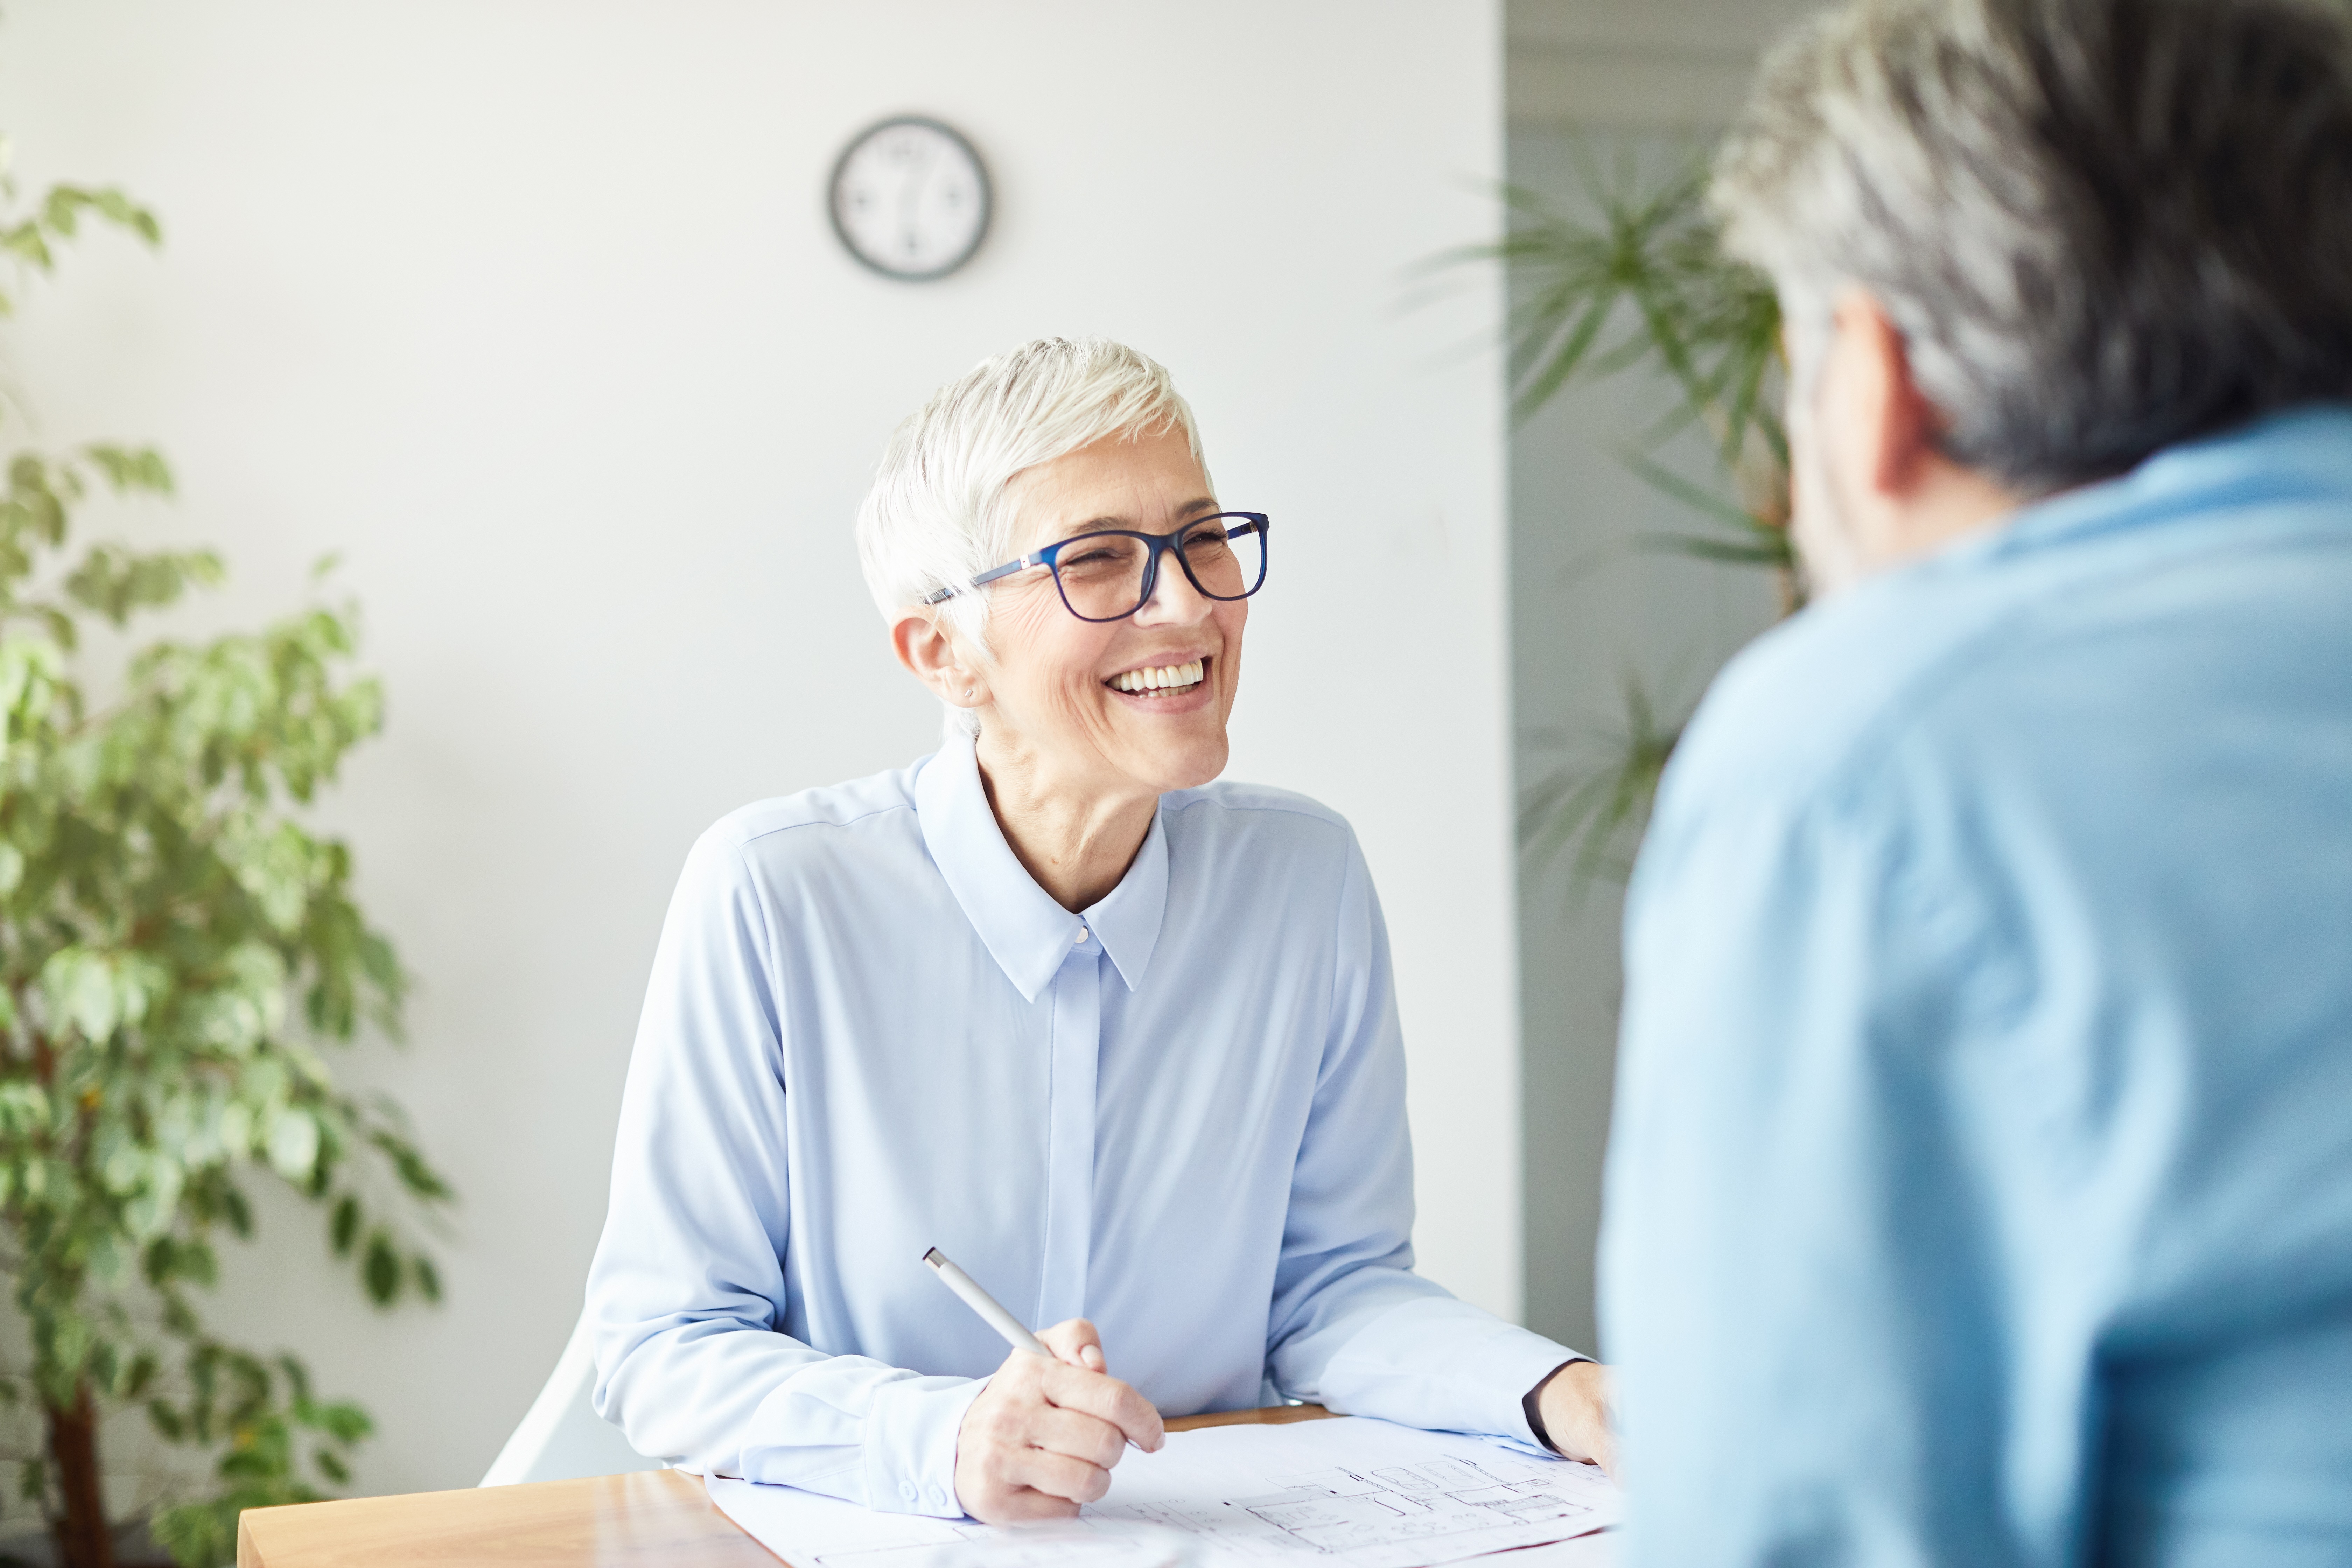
x=1594, y=816
x=1753, y=541
x=1636, y=279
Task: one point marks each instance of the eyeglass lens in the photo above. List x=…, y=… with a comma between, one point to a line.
x=1101, y=575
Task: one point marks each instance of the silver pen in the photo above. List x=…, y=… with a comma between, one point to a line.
x=993, y=1312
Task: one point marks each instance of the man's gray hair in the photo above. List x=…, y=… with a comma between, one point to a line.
x=2102, y=227
x=937, y=514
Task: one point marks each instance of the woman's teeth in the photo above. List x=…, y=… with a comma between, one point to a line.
x=1164, y=677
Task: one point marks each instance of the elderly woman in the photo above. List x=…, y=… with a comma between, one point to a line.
x=1119, y=1039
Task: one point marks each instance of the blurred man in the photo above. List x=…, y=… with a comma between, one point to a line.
x=1982, y=1183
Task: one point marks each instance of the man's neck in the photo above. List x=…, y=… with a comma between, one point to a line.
x=1075, y=838
x=1951, y=502
x=1944, y=504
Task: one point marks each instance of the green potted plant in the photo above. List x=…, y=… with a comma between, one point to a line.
x=178, y=948
x=1639, y=281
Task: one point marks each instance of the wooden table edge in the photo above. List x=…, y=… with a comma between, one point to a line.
x=666, y=1515
x=1269, y=1415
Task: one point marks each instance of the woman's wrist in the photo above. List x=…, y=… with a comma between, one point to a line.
x=1570, y=1413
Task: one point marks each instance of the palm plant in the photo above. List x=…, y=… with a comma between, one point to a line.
x=1640, y=281
x=176, y=945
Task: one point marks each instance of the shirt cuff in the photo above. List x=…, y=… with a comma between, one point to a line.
x=911, y=1446
x=1443, y=1366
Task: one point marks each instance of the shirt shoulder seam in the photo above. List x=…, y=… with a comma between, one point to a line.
x=1319, y=813
x=746, y=837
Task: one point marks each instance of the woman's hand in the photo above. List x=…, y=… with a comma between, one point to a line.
x=1043, y=1436
x=1575, y=1405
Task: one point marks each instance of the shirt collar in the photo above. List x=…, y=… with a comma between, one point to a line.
x=1126, y=920
x=1026, y=932
x=2295, y=454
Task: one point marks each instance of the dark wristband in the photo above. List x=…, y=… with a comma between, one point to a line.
x=1532, y=1403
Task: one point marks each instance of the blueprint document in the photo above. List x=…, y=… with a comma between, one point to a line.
x=1351, y=1490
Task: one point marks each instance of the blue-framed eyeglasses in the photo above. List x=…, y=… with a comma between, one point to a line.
x=1109, y=575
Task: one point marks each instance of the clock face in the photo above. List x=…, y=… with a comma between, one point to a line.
x=910, y=199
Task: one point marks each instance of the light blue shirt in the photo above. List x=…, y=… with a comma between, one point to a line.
x=1980, y=1188
x=1180, y=1114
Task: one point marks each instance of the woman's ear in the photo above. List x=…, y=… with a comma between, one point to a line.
x=928, y=650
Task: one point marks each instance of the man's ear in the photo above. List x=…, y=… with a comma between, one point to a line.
x=1893, y=425
x=925, y=646
x=1882, y=455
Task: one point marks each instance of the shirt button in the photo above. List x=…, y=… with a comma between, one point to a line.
x=906, y=1490
x=1079, y=939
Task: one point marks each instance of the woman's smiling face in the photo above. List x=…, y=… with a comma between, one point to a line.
x=1134, y=702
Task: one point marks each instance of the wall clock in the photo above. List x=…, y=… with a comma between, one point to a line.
x=910, y=198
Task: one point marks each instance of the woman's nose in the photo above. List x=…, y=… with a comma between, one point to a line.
x=1174, y=601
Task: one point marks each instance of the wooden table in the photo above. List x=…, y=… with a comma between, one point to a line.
x=653, y=1517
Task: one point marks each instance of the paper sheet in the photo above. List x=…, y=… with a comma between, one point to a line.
x=1355, y=1492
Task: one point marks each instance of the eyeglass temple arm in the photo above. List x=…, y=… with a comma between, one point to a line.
x=985, y=578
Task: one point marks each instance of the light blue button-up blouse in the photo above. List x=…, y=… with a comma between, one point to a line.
x=1180, y=1114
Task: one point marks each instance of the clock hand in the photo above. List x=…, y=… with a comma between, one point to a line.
x=908, y=191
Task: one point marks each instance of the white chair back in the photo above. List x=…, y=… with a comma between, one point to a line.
x=562, y=1436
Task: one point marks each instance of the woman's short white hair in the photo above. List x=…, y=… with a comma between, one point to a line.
x=937, y=514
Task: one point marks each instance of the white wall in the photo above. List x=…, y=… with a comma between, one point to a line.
x=531, y=309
